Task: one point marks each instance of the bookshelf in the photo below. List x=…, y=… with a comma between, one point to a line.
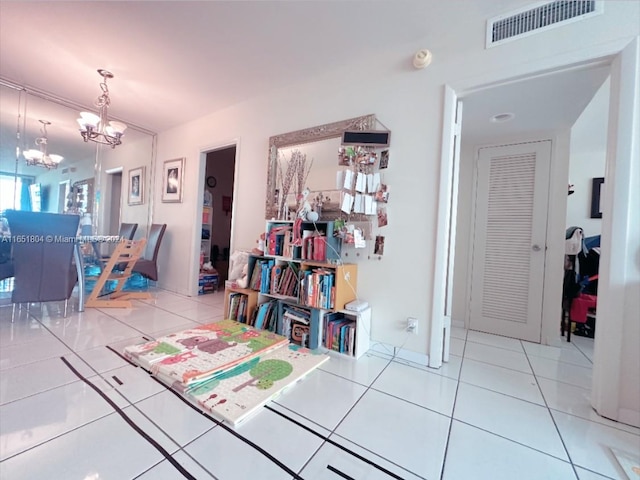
x=247, y=296
x=303, y=241
x=326, y=286
x=205, y=240
x=346, y=333
x=293, y=297
x=344, y=279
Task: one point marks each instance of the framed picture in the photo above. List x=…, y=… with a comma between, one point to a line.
x=136, y=186
x=596, y=192
x=172, y=179
x=384, y=159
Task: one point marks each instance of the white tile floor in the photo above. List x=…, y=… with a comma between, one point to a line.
x=500, y=409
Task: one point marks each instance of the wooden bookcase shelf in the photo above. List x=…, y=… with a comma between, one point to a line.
x=306, y=241
x=251, y=302
x=352, y=340
x=274, y=299
x=205, y=241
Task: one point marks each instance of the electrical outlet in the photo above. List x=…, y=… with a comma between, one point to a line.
x=412, y=325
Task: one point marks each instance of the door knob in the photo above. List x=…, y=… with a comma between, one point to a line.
x=536, y=248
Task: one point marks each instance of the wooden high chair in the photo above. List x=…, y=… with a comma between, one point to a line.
x=125, y=255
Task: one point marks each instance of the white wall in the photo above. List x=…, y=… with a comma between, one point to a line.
x=409, y=102
x=587, y=160
x=136, y=151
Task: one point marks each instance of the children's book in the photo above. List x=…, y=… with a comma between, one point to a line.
x=239, y=392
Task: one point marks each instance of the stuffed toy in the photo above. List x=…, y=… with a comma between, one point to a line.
x=259, y=250
x=243, y=281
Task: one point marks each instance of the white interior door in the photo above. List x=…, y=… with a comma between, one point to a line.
x=509, y=239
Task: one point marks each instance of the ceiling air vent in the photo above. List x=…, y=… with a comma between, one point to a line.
x=537, y=18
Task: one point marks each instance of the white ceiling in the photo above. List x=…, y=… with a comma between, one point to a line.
x=544, y=103
x=175, y=61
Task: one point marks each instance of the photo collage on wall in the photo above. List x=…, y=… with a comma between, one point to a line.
x=364, y=191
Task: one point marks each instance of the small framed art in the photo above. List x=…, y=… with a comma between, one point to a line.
x=172, y=180
x=596, y=197
x=136, y=186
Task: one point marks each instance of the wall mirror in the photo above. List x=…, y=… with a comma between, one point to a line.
x=10, y=105
x=320, y=145
x=82, y=175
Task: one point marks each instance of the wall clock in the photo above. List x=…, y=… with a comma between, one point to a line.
x=211, y=182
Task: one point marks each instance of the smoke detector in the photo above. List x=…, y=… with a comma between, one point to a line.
x=422, y=58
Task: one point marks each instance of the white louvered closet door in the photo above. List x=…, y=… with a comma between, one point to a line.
x=509, y=240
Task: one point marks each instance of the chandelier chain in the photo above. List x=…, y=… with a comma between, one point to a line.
x=98, y=128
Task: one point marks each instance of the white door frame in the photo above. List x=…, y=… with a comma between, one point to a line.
x=197, y=213
x=440, y=335
x=618, y=272
x=623, y=148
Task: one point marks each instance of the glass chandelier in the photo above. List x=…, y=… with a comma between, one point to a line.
x=41, y=157
x=98, y=128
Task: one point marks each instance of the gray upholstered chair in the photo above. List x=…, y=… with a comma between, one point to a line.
x=43, y=262
x=148, y=267
x=6, y=262
x=127, y=231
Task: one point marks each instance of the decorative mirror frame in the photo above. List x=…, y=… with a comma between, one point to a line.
x=299, y=137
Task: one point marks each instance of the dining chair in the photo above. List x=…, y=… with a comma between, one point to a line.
x=127, y=232
x=148, y=267
x=42, y=251
x=6, y=262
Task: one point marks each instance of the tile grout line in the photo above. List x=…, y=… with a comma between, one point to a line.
x=132, y=424
x=637, y=434
x=326, y=440
x=73, y=352
x=57, y=436
x=529, y=447
x=333, y=432
x=453, y=409
x=584, y=354
x=230, y=430
x=564, y=445
x=532, y=371
x=180, y=447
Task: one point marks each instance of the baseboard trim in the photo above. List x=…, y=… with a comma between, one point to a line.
x=383, y=348
x=628, y=416
x=399, y=353
x=457, y=323
x=413, y=357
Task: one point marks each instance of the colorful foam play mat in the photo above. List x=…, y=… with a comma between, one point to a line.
x=228, y=369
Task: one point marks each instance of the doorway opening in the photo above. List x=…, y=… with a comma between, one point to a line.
x=562, y=100
x=64, y=189
x=114, y=187
x=608, y=397
x=217, y=202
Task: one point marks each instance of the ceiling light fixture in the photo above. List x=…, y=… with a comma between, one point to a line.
x=97, y=128
x=502, y=117
x=41, y=157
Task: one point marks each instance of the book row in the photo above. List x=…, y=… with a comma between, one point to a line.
x=339, y=333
